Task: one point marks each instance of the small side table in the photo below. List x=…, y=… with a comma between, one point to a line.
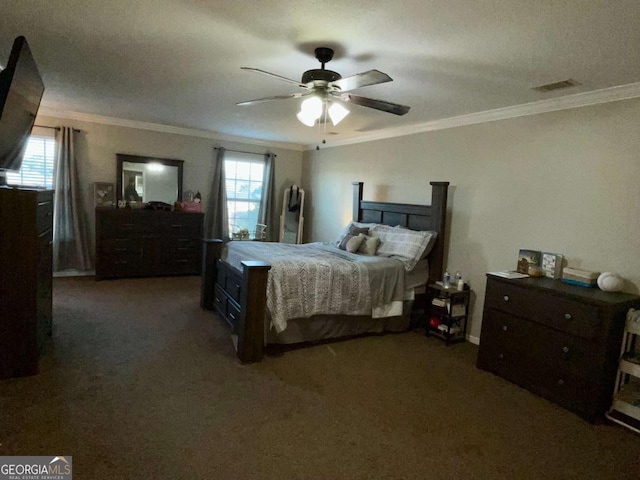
x=447, y=312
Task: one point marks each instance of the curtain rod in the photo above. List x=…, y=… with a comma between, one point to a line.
x=54, y=128
x=241, y=151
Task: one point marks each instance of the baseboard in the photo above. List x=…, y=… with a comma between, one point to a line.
x=74, y=273
x=474, y=340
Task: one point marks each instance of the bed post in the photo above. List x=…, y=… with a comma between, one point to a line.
x=357, y=200
x=438, y=223
x=253, y=304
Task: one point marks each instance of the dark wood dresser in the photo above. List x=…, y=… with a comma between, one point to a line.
x=557, y=340
x=142, y=243
x=26, y=234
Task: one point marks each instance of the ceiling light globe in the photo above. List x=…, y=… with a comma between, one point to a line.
x=312, y=105
x=310, y=111
x=337, y=112
x=305, y=118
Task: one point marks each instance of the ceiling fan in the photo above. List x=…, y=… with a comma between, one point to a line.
x=323, y=87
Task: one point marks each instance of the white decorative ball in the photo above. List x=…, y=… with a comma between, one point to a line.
x=610, y=282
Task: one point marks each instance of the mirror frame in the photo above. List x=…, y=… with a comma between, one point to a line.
x=170, y=162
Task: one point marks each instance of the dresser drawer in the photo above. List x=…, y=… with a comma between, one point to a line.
x=182, y=263
x=220, y=301
x=45, y=239
x=558, y=312
x=500, y=329
x=576, y=393
x=229, y=282
x=184, y=225
x=44, y=212
x=233, y=314
x=181, y=244
x=536, y=344
x=226, y=307
x=120, y=246
x=118, y=224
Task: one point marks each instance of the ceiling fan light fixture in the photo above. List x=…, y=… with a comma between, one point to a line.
x=323, y=85
x=337, y=113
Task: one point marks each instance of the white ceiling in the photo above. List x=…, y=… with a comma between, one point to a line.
x=177, y=62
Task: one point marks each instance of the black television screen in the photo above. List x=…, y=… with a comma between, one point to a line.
x=21, y=90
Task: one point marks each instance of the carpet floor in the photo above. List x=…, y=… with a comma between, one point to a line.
x=140, y=383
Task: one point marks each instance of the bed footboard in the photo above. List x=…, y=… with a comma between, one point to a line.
x=239, y=298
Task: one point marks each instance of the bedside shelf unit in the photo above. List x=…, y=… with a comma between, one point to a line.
x=448, y=312
x=625, y=409
x=559, y=341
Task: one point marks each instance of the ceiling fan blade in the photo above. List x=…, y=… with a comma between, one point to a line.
x=389, y=107
x=280, y=77
x=372, y=77
x=269, y=99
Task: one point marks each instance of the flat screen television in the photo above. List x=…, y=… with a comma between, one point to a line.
x=21, y=90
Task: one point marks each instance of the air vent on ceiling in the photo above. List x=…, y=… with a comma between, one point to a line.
x=549, y=87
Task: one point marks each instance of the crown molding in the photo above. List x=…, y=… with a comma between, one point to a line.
x=157, y=127
x=613, y=94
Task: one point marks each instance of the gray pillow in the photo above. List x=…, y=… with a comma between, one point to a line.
x=355, y=230
x=343, y=243
x=348, y=226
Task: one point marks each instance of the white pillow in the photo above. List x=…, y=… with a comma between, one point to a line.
x=369, y=244
x=406, y=245
x=354, y=244
x=432, y=240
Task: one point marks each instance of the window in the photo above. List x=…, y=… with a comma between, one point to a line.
x=244, y=177
x=37, y=164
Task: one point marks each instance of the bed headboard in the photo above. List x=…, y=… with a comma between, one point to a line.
x=416, y=217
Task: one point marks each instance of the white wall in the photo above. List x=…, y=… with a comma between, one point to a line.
x=97, y=145
x=566, y=182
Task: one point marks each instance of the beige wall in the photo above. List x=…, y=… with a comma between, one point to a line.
x=566, y=182
x=98, y=144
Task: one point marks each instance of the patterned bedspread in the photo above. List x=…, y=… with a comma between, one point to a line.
x=319, y=278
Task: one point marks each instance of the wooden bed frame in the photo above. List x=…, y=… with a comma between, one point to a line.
x=240, y=297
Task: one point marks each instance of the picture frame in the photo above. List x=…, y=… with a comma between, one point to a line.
x=552, y=265
x=104, y=195
x=526, y=259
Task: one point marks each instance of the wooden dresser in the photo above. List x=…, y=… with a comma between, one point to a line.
x=26, y=234
x=557, y=340
x=142, y=243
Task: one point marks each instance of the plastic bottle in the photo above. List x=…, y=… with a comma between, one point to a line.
x=457, y=281
x=446, y=280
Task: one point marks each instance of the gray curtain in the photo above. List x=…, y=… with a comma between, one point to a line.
x=69, y=226
x=267, y=201
x=216, y=221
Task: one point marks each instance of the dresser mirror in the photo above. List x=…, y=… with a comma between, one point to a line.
x=148, y=179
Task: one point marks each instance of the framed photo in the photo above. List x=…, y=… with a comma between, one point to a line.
x=527, y=258
x=104, y=195
x=552, y=265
